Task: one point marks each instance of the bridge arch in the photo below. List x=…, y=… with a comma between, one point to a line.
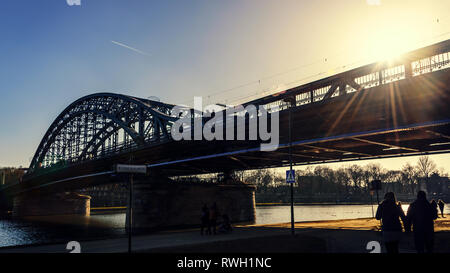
x=102, y=123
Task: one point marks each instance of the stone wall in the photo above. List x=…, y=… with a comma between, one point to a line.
x=57, y=204
x=165, y=203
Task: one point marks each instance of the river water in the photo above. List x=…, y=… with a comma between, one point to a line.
x=77, y=228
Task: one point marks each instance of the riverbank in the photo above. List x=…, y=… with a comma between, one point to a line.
x=108, y=210
x=335, y=236
x=312, y=204
x=440, y=224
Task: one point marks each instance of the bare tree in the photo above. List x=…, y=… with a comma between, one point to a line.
x=356, y=173
x=342, y=180
x=238, y=175
x=425, y=167
x=409, y=177
x=261, y=178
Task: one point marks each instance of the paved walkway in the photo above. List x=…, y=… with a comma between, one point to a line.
x=147, y=242
x=341, y=236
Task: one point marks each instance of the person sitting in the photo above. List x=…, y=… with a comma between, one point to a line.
x=225, y=226
x=205, y=220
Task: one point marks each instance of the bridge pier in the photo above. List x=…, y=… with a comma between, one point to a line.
x=55, y=204
x=159, y=202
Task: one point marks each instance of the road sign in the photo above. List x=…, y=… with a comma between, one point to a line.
x=123, y=168
x=290, y=176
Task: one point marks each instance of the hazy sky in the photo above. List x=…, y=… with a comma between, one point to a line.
x=52, y=53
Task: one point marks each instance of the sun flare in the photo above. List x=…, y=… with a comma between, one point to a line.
x=387, y=44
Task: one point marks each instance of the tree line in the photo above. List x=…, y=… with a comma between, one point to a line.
x=350, y=183
x=10, y=175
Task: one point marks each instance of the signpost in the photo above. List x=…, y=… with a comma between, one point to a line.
x=375, y=185
x=292, y=103
x=130, y=169
x=371, y=202
x=290, y=179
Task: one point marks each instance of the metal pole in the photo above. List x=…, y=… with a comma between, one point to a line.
x=371, y=203
x=290, y=168
x=130, y=216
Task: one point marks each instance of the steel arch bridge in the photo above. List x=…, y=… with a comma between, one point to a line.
x=102, y=124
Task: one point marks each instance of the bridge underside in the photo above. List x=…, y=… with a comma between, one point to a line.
x=392, y=143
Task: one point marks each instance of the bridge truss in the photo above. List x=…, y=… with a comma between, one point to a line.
x=102, y=124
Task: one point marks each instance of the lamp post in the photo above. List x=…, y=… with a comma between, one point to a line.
x=291, y=101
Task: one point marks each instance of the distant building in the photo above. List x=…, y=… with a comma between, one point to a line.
x=435, y=185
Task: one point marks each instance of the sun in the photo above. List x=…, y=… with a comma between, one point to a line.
x=387, y=46
x=388, y=43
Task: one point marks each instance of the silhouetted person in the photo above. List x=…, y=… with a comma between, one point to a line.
x=205, y=220
x=390, y=213
x=225, y=226
x=213, y=212
x=441, y=205
x=434, y=205
x=421, y=215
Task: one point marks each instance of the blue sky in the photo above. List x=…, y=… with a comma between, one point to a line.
x=52, y=53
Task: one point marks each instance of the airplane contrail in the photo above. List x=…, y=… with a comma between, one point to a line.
x=130, y=48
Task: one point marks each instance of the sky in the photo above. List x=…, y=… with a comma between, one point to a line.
x=229, y=51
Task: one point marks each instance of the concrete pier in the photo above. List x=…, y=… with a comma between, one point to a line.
x=55, y=204
x=161, y=202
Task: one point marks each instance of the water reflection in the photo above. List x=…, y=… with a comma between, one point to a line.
x=61, y=229
x=282, y=214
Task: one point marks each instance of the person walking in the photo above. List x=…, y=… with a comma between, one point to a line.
x=390, y=213
x=205, y=219
x=434, y=205
x=441, y=205
x=421, y=215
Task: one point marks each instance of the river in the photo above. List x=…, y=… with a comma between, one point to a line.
x=70, y=228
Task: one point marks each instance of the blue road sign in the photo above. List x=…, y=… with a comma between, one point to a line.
x=290, y=176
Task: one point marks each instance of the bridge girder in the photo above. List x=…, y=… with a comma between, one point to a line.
x=102, y=123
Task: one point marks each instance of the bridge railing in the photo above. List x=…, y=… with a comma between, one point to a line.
x=425, y=60
x=413, y=64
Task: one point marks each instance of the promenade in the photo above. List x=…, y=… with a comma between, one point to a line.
x=338, y=236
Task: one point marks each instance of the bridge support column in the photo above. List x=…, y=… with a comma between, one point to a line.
x=56, y=204
x=159, y=202
x=6, y=204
